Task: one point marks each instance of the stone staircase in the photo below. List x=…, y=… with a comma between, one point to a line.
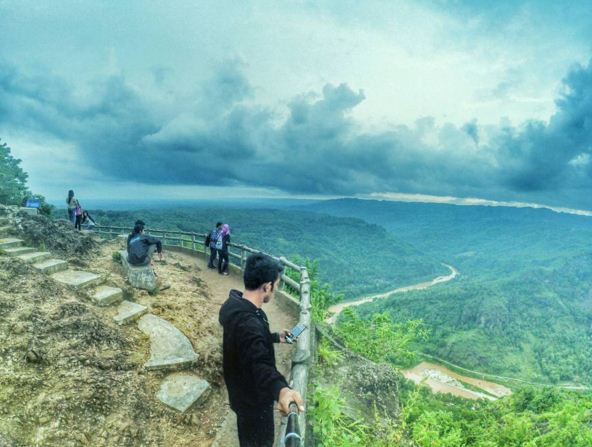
x=170, y=349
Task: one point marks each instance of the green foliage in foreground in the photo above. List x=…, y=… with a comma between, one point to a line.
x=327, y=354
x=531, y=417
x=379, y=338
x=334, y=428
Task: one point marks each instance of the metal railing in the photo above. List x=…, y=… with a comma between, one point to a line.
x=293, y=427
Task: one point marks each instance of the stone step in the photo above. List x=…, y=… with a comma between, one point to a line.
x=10, y=242
x=128, y=311
x=77, y=279
x=4, y=221
x=105, y=296
x=169, y=347
x=19, y=251
x=182, y=390
x=51, y=266
x=30, y=211
x=4, y=229
x=36, y=256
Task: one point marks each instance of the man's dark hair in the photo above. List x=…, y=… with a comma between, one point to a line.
x=261, y=269
x=138, y=227
x=218, y=224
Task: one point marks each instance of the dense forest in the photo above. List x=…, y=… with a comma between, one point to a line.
x=522, y=306
x=357, y=258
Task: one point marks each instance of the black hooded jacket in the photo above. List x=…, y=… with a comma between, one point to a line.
x=138, y=246
x=249, y=358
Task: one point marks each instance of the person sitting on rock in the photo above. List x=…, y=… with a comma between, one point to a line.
x=141, y=247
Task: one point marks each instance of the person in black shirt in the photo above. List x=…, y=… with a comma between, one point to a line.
x=250, y=373
x=141, y=247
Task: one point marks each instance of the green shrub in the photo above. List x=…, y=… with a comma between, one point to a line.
x=380, y=339
x=328, y=355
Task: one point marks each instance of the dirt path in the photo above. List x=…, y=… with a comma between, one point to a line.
x=218, y=287
x=336, y=309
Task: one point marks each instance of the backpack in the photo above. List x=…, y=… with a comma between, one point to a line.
x=213, y=238
x=219, y=243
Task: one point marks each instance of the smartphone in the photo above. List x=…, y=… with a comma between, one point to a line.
x=295, y=333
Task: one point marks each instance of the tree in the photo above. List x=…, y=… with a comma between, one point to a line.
x=13, y=180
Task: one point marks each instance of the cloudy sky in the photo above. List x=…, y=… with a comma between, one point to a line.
x=191, y=99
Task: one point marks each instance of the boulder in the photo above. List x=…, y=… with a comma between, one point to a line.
x=140, y=277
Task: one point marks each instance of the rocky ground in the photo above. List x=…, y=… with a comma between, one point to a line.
x=70, y=376
x=369, y=389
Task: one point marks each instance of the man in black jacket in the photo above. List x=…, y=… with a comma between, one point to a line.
x=141, y=247
x=251, y=377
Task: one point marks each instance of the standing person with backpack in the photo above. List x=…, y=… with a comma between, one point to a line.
x=222, y=248
x=211, y=240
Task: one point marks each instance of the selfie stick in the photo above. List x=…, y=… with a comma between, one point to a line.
x=292, y=438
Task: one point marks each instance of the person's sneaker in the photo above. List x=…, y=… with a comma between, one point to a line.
x=225, y=273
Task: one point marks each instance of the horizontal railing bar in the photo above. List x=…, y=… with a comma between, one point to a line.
x=291, y=282
x=290, y=264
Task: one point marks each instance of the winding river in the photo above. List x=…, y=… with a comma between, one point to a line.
x=336, y=309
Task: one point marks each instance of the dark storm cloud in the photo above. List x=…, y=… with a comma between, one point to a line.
x=216, y=137
x=541, y=156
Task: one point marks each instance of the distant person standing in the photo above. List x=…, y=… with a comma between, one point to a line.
x=211, y=240
x=72, y=206
x=222, y=248
x=141, y=247
x=78, y=213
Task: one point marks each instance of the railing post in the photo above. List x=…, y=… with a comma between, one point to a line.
x=243, y=261
x=193, y=246
x=303, y=355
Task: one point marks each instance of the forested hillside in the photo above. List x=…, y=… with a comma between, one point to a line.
x=523, y=303
x=357, y=258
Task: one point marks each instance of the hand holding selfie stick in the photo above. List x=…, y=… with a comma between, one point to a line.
x=292, y=438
